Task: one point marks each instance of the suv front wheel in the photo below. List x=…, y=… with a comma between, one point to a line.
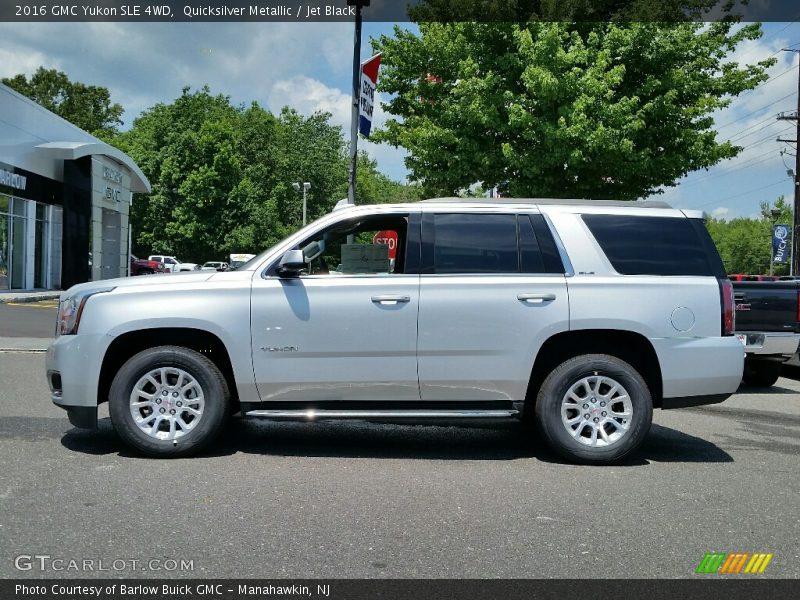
x=594, y=409
x=168, y=401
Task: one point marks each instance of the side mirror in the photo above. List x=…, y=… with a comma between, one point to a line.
x=313, y=250
x=292, y=262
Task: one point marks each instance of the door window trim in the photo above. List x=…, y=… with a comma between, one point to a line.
x=412, y=249
x=543, y=229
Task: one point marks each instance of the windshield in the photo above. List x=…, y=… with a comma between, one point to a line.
x=253, y=262
x=243, y=265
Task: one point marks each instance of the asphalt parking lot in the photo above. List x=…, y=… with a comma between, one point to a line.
x=366, y=500
x=34, y=319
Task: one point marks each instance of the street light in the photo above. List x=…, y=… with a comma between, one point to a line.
x=306, y=187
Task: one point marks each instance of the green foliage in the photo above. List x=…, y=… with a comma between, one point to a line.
x=561, y=109
x=222, y=175
x=745, y=244
x=373, y=187
x=86, y=106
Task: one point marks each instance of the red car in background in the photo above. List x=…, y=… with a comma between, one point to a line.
x=141, y=266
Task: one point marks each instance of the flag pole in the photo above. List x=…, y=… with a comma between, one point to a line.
x=351, y=187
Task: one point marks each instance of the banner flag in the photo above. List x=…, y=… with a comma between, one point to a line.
x=366, y=105
x=780, y=244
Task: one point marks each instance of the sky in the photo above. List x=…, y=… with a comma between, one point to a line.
x=735, y=187
x=308, y=66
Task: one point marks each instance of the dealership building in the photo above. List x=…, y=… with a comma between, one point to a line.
x=65, y=197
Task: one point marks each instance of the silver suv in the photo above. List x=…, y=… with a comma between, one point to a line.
x=581, y=317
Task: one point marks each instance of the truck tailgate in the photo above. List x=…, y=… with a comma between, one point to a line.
x=766, y=305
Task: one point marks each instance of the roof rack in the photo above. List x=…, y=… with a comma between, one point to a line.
x=555, y=201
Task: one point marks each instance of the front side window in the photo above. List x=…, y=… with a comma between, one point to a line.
x=373, y=245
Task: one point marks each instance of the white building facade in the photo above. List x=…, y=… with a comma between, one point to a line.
x=65, y=198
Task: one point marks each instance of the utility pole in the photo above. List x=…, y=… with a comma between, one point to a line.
x=795, y=266
x=351, y=187
x=306, y=187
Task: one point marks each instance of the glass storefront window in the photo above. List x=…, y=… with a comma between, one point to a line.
x=40, y=244
x=18, y=246
x=5, y=224
x=28, y=239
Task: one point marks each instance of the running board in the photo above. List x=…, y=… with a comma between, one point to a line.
x=312, y=414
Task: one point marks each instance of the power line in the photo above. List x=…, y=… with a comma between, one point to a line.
x=752, y=112
x=761, y=158
x=768, y=155
x=770, y=55
x=739, y=133
x=749, y=163
x=770, y=36
x=758, y=189
x=769, y=137
x=773, y=78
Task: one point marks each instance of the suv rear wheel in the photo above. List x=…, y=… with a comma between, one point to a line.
x=594, y=409
x=168, y=401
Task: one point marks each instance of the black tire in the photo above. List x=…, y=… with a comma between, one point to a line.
x=558, y=383
x=214, y=414
x=761, y=373
x=145, y=272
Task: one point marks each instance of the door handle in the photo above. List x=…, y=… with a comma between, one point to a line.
x=536, y=298
x=389, y=299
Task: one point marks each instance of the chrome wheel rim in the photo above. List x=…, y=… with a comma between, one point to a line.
x=167, y=403
x=597, y=411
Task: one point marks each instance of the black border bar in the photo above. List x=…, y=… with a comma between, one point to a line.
x=398, y=11
x=708, y=587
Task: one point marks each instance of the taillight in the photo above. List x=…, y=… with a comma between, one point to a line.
x=728, y=313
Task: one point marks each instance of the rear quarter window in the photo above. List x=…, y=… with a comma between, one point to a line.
x=640, y=245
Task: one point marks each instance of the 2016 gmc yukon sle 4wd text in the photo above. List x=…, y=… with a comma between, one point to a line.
x=579, y=316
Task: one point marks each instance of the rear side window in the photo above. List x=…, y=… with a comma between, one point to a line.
x=487, y=243
x=655, y=245
x=475, y=244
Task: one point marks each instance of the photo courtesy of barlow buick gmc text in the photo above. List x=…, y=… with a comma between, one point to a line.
x=357, y=299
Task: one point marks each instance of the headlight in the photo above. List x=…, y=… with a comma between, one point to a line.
x=71, y=308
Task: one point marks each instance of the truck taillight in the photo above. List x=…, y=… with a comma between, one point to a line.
x=726, y=301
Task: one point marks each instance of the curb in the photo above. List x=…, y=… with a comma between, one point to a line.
x=23, y=350
x=38, y=298
x=26, y=345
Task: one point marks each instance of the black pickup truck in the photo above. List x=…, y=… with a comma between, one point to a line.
x=768, y=324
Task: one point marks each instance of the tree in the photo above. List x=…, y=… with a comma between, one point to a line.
x=561, y=109
x=188, y=152
x=745, y=244
x=373, y=187
x=86, y=106
x=222, y=175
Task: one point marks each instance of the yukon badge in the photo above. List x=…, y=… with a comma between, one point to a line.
x=279, y=348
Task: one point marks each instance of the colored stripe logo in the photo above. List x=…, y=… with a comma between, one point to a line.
x=734, y=563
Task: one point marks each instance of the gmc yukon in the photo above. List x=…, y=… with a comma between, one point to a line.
x=581, y=317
